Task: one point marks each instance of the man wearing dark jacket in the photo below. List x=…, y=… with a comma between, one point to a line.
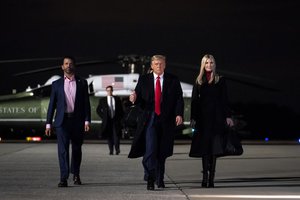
x=111, y=112
x=69, y=101
x=159, y=95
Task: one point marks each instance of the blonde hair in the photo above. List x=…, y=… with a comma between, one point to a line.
x=158, y=57
x=214, y=77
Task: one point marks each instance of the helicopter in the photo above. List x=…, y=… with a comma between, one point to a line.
x=23, y=114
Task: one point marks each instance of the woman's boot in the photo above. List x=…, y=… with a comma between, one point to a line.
x=211, y=183
x=205, y=179
x=205, y=162
x=212, y=170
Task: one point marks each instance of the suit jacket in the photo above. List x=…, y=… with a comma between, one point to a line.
x=82, y=108
x=103, y=112
x=171, y=106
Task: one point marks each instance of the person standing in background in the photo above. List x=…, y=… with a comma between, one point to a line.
x=110, y=110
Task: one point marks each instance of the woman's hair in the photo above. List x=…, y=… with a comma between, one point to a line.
x=214, y=76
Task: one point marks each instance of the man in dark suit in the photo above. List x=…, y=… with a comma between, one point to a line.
x=159, y=95
x=70, y=99
x=111, y=112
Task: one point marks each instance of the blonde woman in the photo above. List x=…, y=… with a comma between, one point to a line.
x=209, y=115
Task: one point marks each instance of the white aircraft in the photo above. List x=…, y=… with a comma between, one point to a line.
x=123, y=84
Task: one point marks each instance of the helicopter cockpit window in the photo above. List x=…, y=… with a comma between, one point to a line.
x=91, y=88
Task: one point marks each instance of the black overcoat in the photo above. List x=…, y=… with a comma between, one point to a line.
x=103, y=112
x=171, y=106
x=209, y=108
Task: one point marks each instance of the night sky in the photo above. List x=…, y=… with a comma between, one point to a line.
x=254, y=38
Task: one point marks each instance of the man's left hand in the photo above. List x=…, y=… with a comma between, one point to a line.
x=86, y=128
x=178, y=120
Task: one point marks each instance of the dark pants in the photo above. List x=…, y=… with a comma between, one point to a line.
x=153, y=161
x=113, y=138
x=69, y=131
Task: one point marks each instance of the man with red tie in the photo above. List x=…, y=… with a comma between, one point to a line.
x=159, y=95
x=69, y=101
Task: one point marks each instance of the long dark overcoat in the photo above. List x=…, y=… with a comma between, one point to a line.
x=209, y=108
x=171, y=106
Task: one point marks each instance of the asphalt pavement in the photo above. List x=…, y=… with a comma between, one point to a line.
x=30, y=171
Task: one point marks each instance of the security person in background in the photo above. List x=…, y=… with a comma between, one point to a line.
x=70, y=99
x=111, y=112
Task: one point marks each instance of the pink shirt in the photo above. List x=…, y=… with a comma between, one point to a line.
x=70, y=92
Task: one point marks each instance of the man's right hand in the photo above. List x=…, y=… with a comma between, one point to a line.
x=48, y=132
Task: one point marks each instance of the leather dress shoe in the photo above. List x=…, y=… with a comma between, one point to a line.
x=77, y=180
x=150, y=185
x=161, y=185
x=63, y=183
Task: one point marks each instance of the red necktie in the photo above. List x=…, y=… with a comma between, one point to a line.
x=157, y=96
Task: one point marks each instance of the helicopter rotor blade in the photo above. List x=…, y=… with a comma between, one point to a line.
x=79, y=64
x=37, y=71
x=29, y=60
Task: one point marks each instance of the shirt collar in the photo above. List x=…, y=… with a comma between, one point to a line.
x=161, y=76
x=72, y=78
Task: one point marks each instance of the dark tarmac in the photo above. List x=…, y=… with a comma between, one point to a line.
x=30, y=171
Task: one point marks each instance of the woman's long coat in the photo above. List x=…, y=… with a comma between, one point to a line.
x=209, y=108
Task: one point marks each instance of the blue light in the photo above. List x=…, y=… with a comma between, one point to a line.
x=266, y=139
x=299, y=140
x=193, y=130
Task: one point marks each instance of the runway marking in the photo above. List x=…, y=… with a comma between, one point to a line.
x=248, y=196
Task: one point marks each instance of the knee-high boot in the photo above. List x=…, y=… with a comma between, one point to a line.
x=205, y=162
x=212, y=169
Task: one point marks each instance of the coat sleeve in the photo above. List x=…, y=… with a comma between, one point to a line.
x=195, y=101
x=52, y=105
x=138, y=90
x=179, y=99
x=225, y=102
x=87, y=104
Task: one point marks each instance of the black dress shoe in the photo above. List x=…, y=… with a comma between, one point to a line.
x=63, y=183
x=150, y=185
x=161, y=185
x=117, y=152
x=77, y=180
